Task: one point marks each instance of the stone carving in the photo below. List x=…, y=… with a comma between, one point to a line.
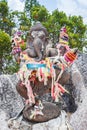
x=37, y=41
x=16, y=50
x=16, y=46
x=38, y=77
x=33, y=83
x=62, y=47
x=49, y=112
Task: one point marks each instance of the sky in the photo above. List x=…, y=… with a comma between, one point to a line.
x=70, y=7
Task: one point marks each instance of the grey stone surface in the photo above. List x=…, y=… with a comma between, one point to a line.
x=10, y=101
x=79, y=75
x=59, y=123
x=3, y=121
x=82, y=66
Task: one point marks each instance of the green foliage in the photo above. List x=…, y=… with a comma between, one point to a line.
x=7, y=65
x=74, y=24
x=3, y=14
x=6, y=18
x=54, y=23
x=76, y=31
x=28, y=6
x=11, y=67
x=5, y=44
x=24, y=22
x=5, y=47
x=3, y=8
x=39, y=13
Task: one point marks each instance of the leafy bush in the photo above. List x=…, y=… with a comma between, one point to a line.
x=5, y=44
x=5, y=50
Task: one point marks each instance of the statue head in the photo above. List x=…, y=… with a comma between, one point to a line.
x=38, y=30
x=63, y=29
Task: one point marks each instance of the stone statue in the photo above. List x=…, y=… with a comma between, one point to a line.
x=41, y=80
x=17, y=44
x=47, y=76
x=36, y=42
x=16, y=49
x=61, y=47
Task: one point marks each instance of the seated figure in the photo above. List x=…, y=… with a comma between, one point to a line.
x=63, y=38
x=37, y=41
x=62, y=47
x=63, y=41
x=16, y=49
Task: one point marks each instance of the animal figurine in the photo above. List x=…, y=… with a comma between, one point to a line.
x=36, y=42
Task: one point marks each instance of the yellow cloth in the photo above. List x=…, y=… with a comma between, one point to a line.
x=63, y=41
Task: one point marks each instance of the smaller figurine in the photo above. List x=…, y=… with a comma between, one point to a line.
x=63, y=46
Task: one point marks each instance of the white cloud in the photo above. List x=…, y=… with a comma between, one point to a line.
x=68, y=6
x=73, y=7
x=83, y=2
x=16, y=5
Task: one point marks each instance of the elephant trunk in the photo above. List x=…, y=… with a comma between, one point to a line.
x=38, y=48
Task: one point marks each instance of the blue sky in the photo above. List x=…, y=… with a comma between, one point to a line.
x=70, y=7
x=49, y=4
